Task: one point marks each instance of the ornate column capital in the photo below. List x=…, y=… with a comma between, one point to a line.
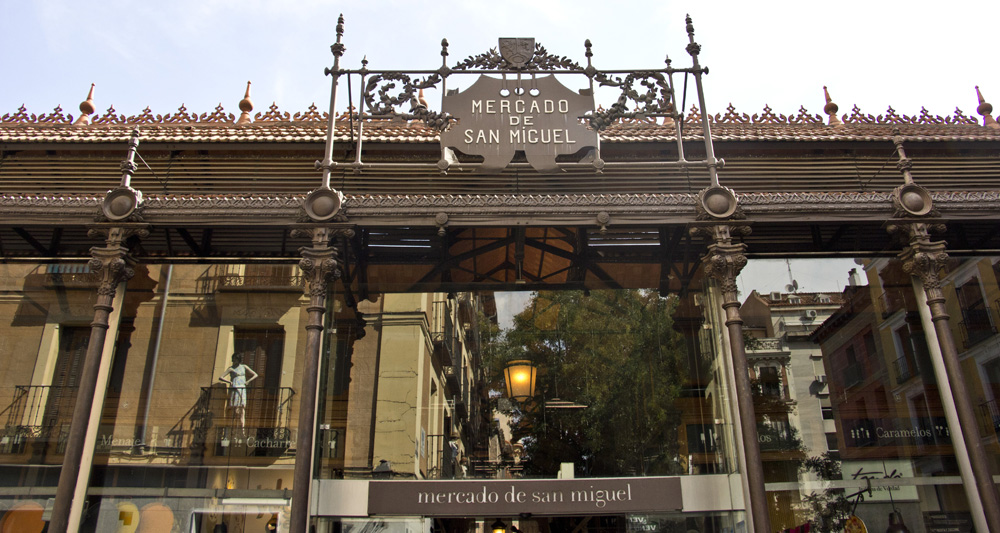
x=320, y=262
x=723, y=263
x=113, y=262
x=725, y=259
x=925, y=260
x=921, y=257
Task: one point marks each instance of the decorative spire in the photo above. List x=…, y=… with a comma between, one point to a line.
x=831, y=109
x=985, y=109
x=87, y=108
x=246, y=106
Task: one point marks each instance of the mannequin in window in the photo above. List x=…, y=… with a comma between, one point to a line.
x=239, y=375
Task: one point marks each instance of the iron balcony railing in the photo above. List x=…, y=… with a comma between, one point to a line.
x=765, y=345
x=42, y=414
x=779, y=437
x=70, y=275
x=853, y=375
x=904, y=369
x=263, y=431
x=265, y=406
x=443, y=333
x=891, y=300
x=273, y=277
x=989, y=419
x=213, y=424
x=977, y=325
x=453, y=380
x=37, y=413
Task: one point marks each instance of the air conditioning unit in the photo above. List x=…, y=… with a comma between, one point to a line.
x=821, y=378
x=810, y=313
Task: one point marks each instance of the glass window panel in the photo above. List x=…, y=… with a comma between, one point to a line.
x=875, y=417
x=625, y=383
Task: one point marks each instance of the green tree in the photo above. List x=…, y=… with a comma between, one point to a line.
x=614, y=352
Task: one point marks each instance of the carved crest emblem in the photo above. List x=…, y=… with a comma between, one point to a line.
x=517, y=51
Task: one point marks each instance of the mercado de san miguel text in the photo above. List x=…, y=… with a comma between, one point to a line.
x=469, y=299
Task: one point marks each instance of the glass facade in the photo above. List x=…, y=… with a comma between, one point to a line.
x=200, y=416
x=863, y=415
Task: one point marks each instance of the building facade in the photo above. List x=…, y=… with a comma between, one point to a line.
x=212, y=335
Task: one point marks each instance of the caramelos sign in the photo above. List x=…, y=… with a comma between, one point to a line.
x=538, y=116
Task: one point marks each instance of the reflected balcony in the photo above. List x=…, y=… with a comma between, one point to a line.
x=443, y=333
x=213, y=424
x=903, y=369
x=765, y=346
x=70, y=276
x=989, y=419
x=38, y=415
x=453, y=380
x=977, y=325
x=853, y=375
x=777, y=438
x=261, y=277
x=893, y=299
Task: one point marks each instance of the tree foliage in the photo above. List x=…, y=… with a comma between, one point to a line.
x=614, y=352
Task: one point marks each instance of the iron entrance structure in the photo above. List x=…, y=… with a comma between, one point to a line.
x=514, y=110
x=398, y=212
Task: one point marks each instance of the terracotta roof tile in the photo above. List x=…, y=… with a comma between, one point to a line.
x=276, y=126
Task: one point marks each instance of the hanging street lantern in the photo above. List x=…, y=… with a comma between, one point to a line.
x=519, y=377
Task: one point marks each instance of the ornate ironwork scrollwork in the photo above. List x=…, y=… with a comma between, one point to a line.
x=380, y=101
x=540, y=60
x=655, y=100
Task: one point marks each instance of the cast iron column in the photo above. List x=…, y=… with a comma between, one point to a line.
x=114, y=265
x=924, y=259
x=723, y=263
x=319, y=266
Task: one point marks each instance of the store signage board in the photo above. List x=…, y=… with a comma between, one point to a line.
x=499, y=117
x=516, y=496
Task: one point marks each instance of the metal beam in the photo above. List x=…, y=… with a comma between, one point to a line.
x=32, y=241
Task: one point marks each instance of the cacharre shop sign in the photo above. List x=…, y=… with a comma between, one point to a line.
x=535, y=496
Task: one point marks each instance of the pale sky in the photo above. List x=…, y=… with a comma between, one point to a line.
x=201, y=53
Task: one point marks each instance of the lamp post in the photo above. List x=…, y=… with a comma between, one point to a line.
x=519, y=378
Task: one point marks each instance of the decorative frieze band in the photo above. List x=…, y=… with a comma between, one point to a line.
x=275, y=115
x=164, y=208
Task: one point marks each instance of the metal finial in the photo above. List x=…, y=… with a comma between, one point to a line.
x=668, y=61
x=588, y=45
x=338, y=48
x=692, y=48
x=86, y=108
x=831, y=108
x=985, y=109
x=444, y=47
x=364, y=62
x=246, y=106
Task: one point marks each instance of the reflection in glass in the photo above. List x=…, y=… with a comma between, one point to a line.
x=625, y=383
x=850, y=418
